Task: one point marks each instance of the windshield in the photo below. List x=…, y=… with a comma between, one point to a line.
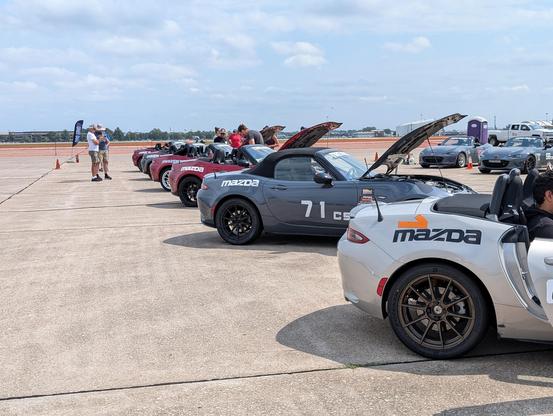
x=259, y=153
x=346, y=164
x=534, y=126
x=524, y=142
x=457, y=141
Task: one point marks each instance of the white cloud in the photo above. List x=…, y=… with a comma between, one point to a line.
x=374, y=98
x=129, y=46
x=517, y=88
x=415, y=45
x=300, y=54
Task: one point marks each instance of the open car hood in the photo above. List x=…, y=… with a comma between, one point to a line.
x=270, y=131
x=309, y=136
x=399, y=151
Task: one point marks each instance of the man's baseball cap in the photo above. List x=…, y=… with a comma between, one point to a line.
x=98, y=127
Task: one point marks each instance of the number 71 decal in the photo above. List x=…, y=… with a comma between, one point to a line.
x=336, y=215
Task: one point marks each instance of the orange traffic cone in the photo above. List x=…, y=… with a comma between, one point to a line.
x=376, y=156
x=77, y=158
x=469, y=165
x=58, y=166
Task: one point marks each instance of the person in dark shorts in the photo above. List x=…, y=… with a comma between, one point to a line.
x=540, y=217
x=249, y=136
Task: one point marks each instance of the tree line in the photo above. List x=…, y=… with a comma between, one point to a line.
x=156, y=135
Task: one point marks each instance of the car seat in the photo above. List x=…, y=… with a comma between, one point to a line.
x=528, y=188
x=506, y=202
x=219, y=156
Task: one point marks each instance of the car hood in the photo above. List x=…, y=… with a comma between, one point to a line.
x=441, y=150
x=504, y=151
x=309, y=136
x=392, y=157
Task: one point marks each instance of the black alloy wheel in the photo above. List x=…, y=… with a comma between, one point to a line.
x=461, y=160
x=437, y=311
x=188, y=190
x=529, y=164
x=238, y=222
x=164, y=179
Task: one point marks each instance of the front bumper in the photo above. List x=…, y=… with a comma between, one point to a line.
x=502, y=164
x=438, y=160
x=206, y=213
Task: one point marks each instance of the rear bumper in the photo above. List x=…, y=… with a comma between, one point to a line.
x=359, y=278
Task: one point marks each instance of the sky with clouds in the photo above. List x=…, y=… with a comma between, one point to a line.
x=200, y=63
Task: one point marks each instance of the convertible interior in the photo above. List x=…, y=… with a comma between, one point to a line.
x=506, y=204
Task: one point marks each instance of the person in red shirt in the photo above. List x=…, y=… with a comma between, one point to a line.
x=235, y=140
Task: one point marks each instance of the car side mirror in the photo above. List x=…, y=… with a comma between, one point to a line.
x=548, y=146
x=323, y=178
x=243, y=163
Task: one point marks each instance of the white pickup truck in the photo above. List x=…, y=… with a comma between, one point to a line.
x=524, y=129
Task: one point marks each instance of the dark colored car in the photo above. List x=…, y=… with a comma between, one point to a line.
x=524, y=153
x=161, y=166
x=311, y=191
x=185, y=178
x=148, y=158
x=454, y=151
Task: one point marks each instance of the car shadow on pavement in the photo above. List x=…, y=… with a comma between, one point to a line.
x=275, y=244
x=344, y=334
x=166, y=205
x=150, y=190
x=140, y=179
x=528, y=407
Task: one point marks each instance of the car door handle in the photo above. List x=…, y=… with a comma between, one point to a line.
x=548, y=261
x=279, y=187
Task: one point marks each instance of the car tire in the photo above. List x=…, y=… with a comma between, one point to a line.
x=425, y=165
x=493, y=141
x=437, y=311
x=139, y=164
x=188, y=189
x=164, y=179
x=529, y=164
x=461, y=160
x=238, y=221
x=484, y=170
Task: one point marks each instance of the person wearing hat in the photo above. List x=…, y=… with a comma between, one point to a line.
x=221, y=136
x=93, y=151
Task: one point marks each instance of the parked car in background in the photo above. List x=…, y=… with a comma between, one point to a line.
x=524, y=129
x=185, y=178
x=524, y=153
x=455, y=151
x=311, y=191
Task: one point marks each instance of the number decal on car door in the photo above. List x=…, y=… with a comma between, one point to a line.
x=336, y=215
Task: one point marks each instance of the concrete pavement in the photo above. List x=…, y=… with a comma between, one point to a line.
x=116, y=300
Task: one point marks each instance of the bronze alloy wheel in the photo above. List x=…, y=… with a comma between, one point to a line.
x=437, y=310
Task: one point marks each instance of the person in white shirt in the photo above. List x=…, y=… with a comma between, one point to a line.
x=93, y=150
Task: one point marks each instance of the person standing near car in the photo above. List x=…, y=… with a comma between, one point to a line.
x=235, y=140
x=221, y=136
x=540, y=218
x=103, y=152
x=249, y=136
x=93, y=149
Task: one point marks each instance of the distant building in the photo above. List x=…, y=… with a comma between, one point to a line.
x=405, y=128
